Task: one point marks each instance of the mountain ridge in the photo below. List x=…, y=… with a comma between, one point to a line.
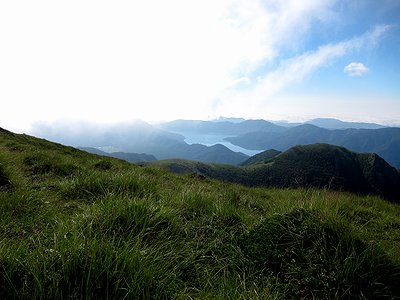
x=129, y=157
x=220, y=127
x=331, y=123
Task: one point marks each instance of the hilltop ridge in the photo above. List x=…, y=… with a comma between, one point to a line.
x=317, y=165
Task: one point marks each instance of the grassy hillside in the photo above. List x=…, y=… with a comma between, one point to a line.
x=76, y=225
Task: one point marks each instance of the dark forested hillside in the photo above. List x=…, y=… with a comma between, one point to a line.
x=317, y=165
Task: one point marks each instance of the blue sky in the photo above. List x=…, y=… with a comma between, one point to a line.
x=157, y=60
x=382, y=59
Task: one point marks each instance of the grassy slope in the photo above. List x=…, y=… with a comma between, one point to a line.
x=76, y=225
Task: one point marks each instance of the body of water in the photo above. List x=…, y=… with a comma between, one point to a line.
x=213, y=139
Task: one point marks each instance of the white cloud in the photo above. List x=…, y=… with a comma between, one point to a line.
x=155, y=59
x=147, y=59
x=355, y=69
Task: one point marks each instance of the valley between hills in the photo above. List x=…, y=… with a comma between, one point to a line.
x=305, y=219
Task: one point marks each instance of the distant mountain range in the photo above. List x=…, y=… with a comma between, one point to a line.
x=263, y=135
x=225, y=140
x=138, y=137
x=338, y=124
x=237, y=126
x=384, y=141
x=318, y=165
x=220, y=127
x=329, y=123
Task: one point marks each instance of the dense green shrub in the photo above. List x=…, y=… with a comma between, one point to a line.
x=4, y=178
x=42, y=163
x=103, y=165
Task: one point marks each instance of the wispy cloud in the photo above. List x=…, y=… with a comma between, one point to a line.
x=300, y=67
x=356, y=69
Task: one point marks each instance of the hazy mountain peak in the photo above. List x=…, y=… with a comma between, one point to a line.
x=331, y=123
